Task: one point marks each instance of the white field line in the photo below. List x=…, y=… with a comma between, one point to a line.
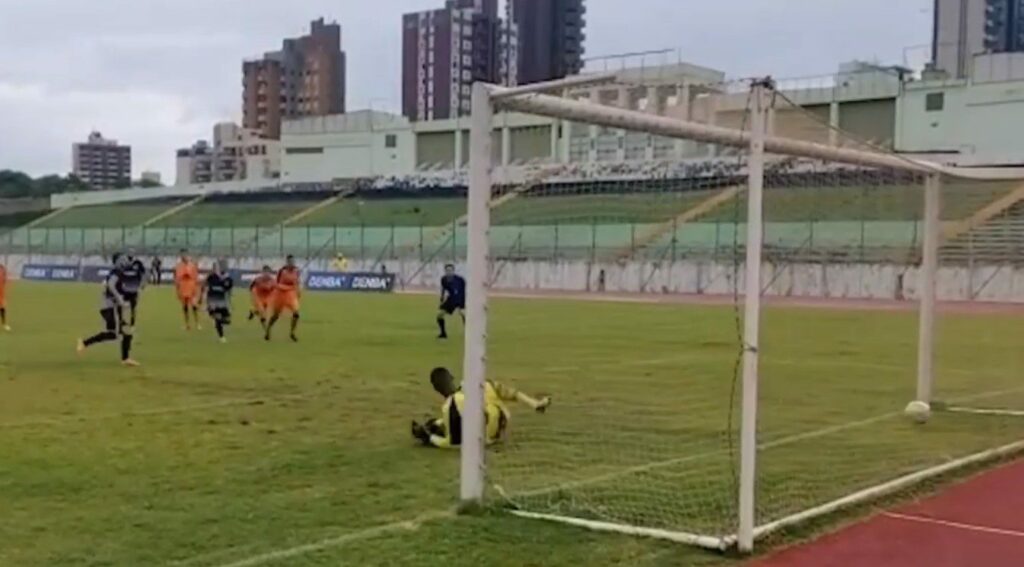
x=781, y=442
x=328, y=543
x=957, y=525
x=414, y=523
x=765, y=361
x=986, y=411
x=551, y=369
x=153, y=411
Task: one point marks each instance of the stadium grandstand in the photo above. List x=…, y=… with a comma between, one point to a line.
x=590, y=211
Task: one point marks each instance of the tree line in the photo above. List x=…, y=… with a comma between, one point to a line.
x=17, y=184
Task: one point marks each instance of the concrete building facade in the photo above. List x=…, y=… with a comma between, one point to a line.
x=445, y=51
x=550, y=38
x=306, y=77
x=102, y=163
x=966, y=28
x=365, y=143
x=236, y=154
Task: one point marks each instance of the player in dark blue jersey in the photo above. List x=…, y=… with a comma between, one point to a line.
x=217, y=294
x=133, y=277
x=113, y=311
x=453, y=298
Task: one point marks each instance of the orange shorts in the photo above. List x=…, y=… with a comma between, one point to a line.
x=286, y=300
x=261, y=301
x=188, y=297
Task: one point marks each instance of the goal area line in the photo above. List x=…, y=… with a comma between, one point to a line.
x=984, y=411
x=727, y=541
x=723, y=543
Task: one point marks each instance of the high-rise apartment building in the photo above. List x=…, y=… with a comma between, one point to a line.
x=550, y=35
x=1004, y=25
x=445, y=51
x=102, y=163
x=965, y=28
x=305, y=78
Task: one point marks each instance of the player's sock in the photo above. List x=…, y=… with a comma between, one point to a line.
x=100, y=337
x=295, y=325
x=440, y=325
x=126, y=347
x=3, y=316
x=269, y=326
x=252, y=314
x=220, y=328
x=184, y=311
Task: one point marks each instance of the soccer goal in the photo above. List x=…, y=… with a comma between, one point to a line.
x=799, y=267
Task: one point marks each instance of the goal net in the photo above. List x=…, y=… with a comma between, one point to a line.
x=779, y=280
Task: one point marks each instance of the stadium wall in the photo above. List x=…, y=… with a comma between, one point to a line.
x=988, y=283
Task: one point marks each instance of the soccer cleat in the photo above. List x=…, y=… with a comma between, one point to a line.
x=545, y=402
x=80, y=347
x=130, y=362
x=443, y=336
x=7, y=328
x=199, y=327
x=294, y=338
x=223, y=340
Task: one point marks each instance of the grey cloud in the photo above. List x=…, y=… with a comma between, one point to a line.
x=158, y=73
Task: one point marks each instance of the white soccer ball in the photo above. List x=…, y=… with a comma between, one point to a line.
x=918, y=411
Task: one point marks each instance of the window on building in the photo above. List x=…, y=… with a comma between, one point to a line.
x=390, y=141
x=934, y=102
x=304, y=150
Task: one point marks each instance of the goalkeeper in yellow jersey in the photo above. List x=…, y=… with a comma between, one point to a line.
x=446, y=431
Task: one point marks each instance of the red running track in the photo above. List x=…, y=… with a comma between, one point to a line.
x=978, y=523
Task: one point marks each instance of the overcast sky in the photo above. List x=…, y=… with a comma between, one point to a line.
x=157, y=74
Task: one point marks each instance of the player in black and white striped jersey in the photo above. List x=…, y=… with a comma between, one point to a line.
x=217, y=295
x=113, y=311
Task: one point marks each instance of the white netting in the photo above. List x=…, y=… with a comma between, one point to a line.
x=644, y=430
x=641, y=433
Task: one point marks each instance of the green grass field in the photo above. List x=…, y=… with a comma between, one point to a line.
x=298, y=454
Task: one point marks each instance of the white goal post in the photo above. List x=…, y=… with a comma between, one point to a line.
x=487, y=100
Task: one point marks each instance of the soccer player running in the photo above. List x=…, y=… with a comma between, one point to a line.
x=217, y=294
x=446, y=431
x=3, y=298
x=132, y=280
x=186, y=284
x=286, y=297
x=113, y=306
x=453, y=298
x=261, y=290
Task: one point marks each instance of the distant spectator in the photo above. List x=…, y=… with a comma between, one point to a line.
x=155, y=275
x=340, y=263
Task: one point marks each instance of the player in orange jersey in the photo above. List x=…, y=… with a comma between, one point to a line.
x=262, y=291
x=3, y=298
x=286, y=296
x=186, y=284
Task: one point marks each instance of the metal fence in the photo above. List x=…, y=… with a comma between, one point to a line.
x=812, y=241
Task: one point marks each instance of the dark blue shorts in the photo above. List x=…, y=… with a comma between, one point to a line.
x=452, y=303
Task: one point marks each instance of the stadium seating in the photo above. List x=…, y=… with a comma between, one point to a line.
x=578, y=211
x=998, y=241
